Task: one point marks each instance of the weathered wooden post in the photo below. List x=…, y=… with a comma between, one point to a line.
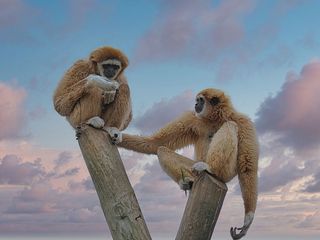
x=117, y=198
x=205, y=199
x=202, y=209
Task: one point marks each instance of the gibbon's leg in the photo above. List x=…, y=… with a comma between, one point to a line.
x=87, y=108
x=177, y=167
x=221, y=158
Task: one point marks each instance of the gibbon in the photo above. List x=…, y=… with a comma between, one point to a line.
x=225, y=145
x=95, y=91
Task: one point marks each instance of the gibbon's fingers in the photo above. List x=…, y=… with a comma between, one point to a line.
x=96, y=122
x=185, y=183
x=115, y=134
x=243, y=230
x=108, y=96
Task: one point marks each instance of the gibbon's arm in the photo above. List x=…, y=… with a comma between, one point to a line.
x=175, y=135
x=71, y=88
x=119, y=111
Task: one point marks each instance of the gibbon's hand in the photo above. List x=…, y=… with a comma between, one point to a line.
x=108, y=96
x=199, y=167
x=101, y=82
x=96, y=122
x=115, y=134
x=243, y=230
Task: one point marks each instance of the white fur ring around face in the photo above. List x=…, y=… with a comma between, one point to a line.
x=199, y=167
x=115, y=134
x=102, y=82
x=96, y=122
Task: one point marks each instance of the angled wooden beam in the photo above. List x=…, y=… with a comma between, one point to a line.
x=117, y=198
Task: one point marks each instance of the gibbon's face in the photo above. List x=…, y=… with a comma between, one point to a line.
x=209, y=103
x=110, y=68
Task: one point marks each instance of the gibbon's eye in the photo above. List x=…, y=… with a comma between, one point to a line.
x=214, y=101
x=200, y=100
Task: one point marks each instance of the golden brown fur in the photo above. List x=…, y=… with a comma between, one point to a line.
x=78, y=102
x=223, y=138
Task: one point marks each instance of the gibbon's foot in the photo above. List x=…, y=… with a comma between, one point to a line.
x=115, y=134
x=101, y=82
x=108, y=96
x=185, y=184
x=199, y=167
x=96, y=122
x=78, y=132
x=243, y=230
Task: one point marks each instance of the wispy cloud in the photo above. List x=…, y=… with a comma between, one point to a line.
x=164, y=111
x=198, y=29
x=13, y=114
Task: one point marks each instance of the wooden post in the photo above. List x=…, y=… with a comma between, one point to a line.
x=202, y=209
x=117, y=198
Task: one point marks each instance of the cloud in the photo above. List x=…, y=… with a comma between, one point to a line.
x=12, y=108
x=293, y=111
x=164, y=111
x=314, y=186
x=13, y=171
x=12, y=12
x=197, y=29
x=20, y=20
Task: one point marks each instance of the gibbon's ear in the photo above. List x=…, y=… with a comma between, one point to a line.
x=94, y=65
x=214, y=101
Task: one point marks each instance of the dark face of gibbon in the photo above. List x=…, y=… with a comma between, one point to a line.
x=110, y=68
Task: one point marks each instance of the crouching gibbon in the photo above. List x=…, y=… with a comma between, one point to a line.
x=95, y=91
x=225, y=145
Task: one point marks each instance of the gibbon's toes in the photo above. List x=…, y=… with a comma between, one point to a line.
x=78, y=132
x=115, y=134
x=199, y=167
x=185, y=184
x=243, y=230
x=96, y=122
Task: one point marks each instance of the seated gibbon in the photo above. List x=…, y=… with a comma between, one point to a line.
x=225, y=145
x=95, y=91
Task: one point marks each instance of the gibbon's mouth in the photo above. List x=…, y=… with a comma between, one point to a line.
x=198, y=108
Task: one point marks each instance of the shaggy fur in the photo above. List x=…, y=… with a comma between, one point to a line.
x=78, y=102
x=223, y=138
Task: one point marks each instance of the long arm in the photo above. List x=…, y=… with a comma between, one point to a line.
x=175, y=135
x=71, y=88
x=119, y=113
x=248, y=176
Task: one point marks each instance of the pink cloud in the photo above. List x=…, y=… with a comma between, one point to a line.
x=12, y=12
x=164, y=111
x=293, y=112
x=12, y=108
x=199, y=29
